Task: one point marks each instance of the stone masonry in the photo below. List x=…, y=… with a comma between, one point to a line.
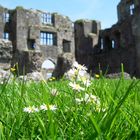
x=106, y=49
x=37, y=36
x=5, y=54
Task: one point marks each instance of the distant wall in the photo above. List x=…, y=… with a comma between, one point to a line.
x=106, y=49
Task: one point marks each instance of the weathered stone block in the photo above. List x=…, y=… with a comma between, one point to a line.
x=64, y=63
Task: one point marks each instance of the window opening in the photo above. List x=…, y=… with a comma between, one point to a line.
x=132, y=6
x=66, y=46
x=6, y=35
x=6, y=17
x=102, y=44
x=113, y=44
x=46, y=18
x=31, y=44
x=47, y=38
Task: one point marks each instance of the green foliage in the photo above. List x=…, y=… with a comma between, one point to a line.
x=19, y=8
x=117, y=117
x=80, y=21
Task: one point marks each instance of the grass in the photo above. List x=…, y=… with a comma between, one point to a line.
x=117, y=117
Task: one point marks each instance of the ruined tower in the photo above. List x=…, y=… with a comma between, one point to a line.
x=86, y=40
x=116, y=45
x=36, y=36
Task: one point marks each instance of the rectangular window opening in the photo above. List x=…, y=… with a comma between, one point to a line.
x=46, y=18
x=6, y=17
x=113, y=44
x=6, y=35
x=66, y=46
x=47, y=38
x=31, y=44
x=131, y=8
x=102, y=44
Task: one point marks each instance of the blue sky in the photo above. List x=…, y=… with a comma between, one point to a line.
x=102, y=10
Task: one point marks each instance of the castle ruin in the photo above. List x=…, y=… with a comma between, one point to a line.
x=106, y=49
x=37, y=36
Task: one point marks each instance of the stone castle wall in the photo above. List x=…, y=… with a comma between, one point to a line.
x=108, y=48
x=97, y=49
x=5, y=54
x=25, y=29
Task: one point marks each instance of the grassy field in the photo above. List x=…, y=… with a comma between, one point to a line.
x=76, y=107
x=53, y=110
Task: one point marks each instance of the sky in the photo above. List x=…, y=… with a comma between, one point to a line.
x=101, y=10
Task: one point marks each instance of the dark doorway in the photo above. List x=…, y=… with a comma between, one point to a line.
x=107, y=43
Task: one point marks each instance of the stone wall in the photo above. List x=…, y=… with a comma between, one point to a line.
x=107, y=49
x=29, y=27
x=5, y=54
x=136, y=33
x=110, y=62
x=25, y=27
x=95, y=48
x=28, y=61
x=86, y=39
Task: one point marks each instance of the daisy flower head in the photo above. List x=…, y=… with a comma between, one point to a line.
x=79, y=66
x=31, y=109
x=76, y=87
x=54, y=92
x=82, y=73
x=43, y=107
x=92, y=98
x=52, y=107
x=79, y=101
x=86, y=81
x=71, y=73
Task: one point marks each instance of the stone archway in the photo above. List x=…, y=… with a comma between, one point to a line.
x=48, y=67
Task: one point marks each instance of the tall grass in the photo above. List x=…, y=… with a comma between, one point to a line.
x=117, y=117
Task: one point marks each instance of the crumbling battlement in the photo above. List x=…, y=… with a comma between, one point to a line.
x=86, y=39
